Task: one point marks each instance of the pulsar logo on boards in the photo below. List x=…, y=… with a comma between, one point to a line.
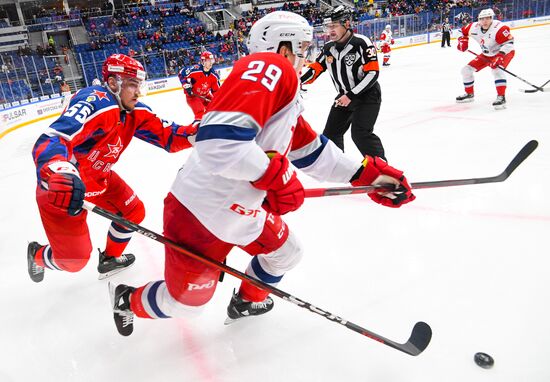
x=349, y=59
x=208, y=285
x=244, y=211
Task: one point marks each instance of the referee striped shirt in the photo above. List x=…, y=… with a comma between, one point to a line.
x=353, y=65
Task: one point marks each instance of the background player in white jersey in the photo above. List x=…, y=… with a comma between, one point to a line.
x=230, y=193
x=386, y=40
x=497, y=46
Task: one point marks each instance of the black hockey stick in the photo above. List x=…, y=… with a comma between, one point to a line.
x=542, y=88
x=518, y=159
x=537, y=88
x=418, y=341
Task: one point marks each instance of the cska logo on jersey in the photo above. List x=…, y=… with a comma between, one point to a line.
x=349, y=59
x=114, y=150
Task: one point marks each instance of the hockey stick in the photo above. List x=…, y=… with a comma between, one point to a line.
x=418, y=341
x=518, y=159
x=538, y=88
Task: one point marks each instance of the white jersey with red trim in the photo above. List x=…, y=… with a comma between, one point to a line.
x=257, y=110
x=497, y=38
x=385, y=37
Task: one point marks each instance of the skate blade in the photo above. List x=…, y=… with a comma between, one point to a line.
x=500, y=107
x=112, y=288
x=465, y=100
x=103, y=276
x=229, y=320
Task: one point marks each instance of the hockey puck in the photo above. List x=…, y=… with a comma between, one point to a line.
x=484, y=360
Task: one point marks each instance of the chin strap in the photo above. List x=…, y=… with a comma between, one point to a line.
x=117, y=93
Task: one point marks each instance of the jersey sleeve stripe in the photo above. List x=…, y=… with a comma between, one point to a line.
x=373, y=65
x=308, y=154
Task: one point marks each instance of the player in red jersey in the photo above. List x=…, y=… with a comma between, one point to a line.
x=230, y=193
x=497, y=49
x=74, y=162
x=200, y=82
x=386, y=41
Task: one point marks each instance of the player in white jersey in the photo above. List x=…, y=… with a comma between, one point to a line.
x=230, y=193
x=497, y=49
x=386, y=40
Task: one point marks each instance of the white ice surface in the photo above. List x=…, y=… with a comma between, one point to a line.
x=471, y=261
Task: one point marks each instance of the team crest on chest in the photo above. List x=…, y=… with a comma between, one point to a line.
x=115, y=150
x=349, y=59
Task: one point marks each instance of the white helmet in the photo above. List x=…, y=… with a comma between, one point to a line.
x=266, y=33
x=486, y=13
x=388, y=26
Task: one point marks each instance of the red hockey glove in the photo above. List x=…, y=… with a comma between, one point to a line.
x=285, y=192
x=187, y=130
x=66, y=191
x=376, y=171
x=65, y=188
x=462, y=43
x=392, y=42
x=497, y=61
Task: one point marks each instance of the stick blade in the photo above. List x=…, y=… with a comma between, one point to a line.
x=420, y=339
x=521, y=156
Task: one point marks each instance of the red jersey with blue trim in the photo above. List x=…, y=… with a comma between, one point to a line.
x=93, y=131
x=257, y=110
x=203, y=83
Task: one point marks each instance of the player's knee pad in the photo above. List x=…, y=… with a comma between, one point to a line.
x=467, y=73
x=283, y=259
x=499, y=75
x=194, y=289
x=74, y=261
x=136, y=214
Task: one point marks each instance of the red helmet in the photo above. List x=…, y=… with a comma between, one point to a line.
x=206, y=55
x=120, y=64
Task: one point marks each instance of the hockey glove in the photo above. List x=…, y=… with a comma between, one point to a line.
x=392, y=41
x=285, y=192
x=65, y=188
x=497, y=61
x=188, y=89
x=376, y=171
x=462, y=43
x=187, y=130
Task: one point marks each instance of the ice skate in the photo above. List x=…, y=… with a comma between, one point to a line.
x=109, y=266
x=239, y=308
x=122, y=314
x=36, y=272
x=467, y=97
x=500, y=102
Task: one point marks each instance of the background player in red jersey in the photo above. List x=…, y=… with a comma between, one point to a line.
x=497, y=49
x=386, y=41
x=199, y=83
x=74, y=162
x=230, y=193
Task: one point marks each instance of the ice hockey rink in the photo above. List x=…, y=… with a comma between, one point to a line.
x=471, y=261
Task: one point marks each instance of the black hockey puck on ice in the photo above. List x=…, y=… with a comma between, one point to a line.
x=484, y=360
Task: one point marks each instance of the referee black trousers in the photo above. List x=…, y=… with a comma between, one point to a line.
x=362, y=117
x=446, y=37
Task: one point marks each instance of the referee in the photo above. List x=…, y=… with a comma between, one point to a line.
x=352, y=62
x=446, y=33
